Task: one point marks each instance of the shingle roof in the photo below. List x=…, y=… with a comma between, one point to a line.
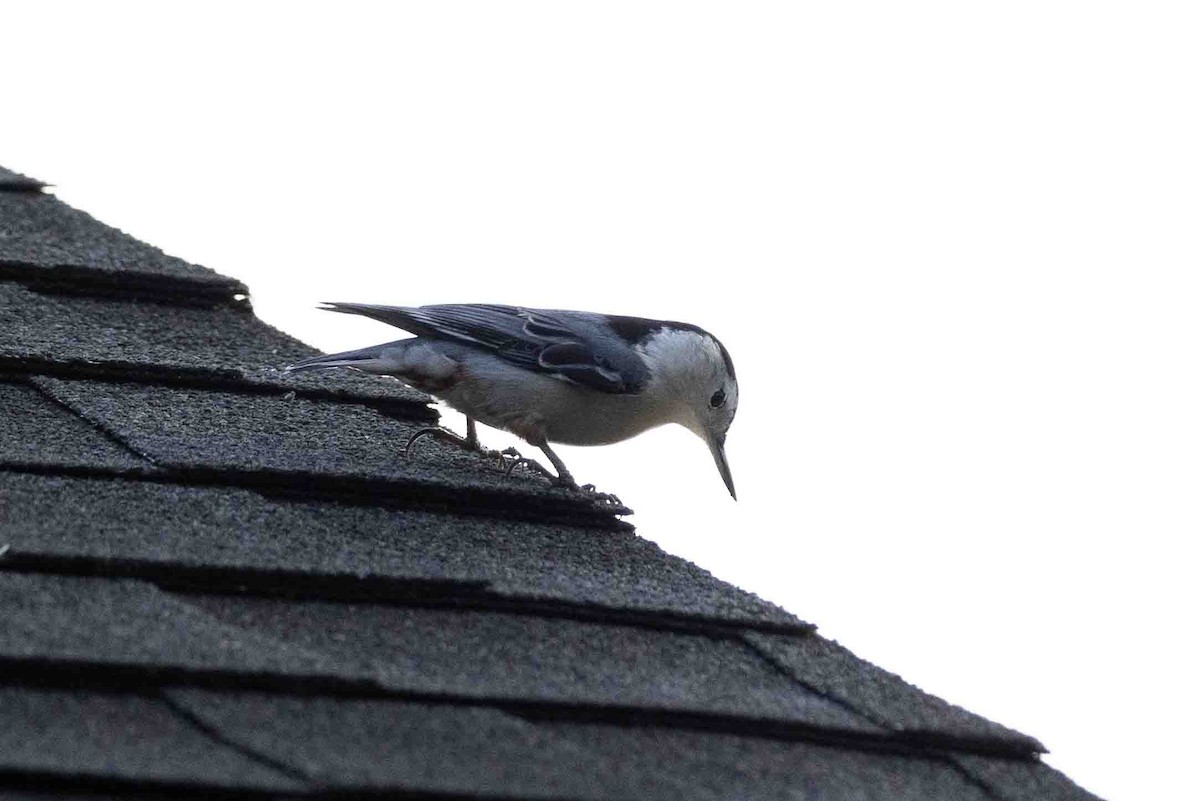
x=219, y=579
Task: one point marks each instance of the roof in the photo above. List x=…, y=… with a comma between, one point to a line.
x=219, y=578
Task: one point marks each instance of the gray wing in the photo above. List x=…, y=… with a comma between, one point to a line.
x=579, y=347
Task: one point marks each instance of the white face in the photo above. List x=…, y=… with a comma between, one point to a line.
x=722, y=404
x=693, y=377
x=690, y=369
x=715, y=393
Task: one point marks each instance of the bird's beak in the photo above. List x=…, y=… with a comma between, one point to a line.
x=716, y=444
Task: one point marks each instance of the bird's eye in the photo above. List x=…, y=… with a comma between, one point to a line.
x=718, y=399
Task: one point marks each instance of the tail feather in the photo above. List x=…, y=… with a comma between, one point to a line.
x=399, y=316
x=361, y=358
x=415, y=361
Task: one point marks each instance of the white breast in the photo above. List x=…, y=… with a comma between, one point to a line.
x=532, y=405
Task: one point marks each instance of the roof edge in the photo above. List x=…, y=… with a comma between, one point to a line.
x=13, y=181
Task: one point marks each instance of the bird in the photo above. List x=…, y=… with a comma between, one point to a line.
x=553, y=376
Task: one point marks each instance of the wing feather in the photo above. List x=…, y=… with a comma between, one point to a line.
x=578, y=347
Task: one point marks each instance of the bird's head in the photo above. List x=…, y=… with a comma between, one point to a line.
x=692, y=374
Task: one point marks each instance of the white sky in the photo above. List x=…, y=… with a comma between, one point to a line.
x=952, y=248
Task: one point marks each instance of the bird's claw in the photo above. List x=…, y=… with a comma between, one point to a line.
x=515, y=459
x=434, y=431
x=508, y=460
x=603, y=497
x=494, y=456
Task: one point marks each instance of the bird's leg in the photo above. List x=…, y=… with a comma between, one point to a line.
x=563, y=479
x=472, y=442
x=564, y=475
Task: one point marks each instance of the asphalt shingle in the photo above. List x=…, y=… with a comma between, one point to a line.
x=117, y=737
x=882, y=696
x=482, y=753
x=130, y=624
x=282, y=439
x=43, y=239
x=14, y=181
x=173, y=532
x=711, y=766
x=113, y=626
x=352, y=744
x=37, y=433
x=158, y=341
x=536, y=660
x=1021, y=780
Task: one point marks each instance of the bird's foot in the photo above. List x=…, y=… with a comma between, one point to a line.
x=514, y=459
x=603, y=497
x=467, y=443
x=507, y=460
x=499, y=457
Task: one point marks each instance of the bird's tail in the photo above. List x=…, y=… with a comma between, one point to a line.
x=362, y=359
x=402, y=317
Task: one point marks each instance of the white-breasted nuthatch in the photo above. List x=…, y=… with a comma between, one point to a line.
x=577, y=378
